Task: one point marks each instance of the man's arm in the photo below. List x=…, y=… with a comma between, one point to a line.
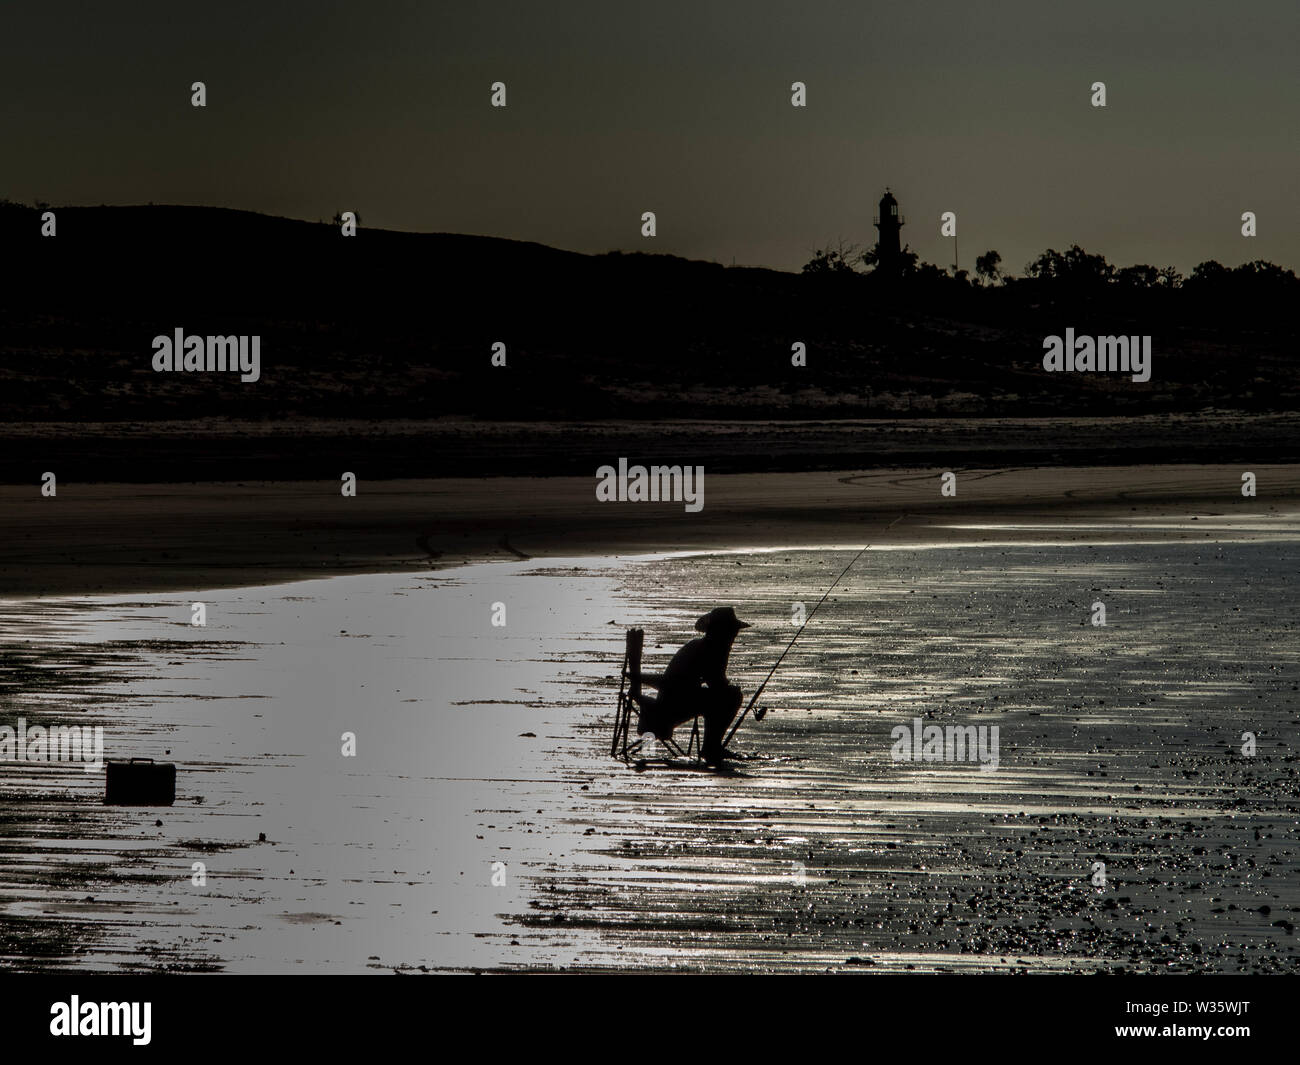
x=714, y=672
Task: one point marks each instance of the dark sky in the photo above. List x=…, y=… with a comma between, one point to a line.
x=683, y=109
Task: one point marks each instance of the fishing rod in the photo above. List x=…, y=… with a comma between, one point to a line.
x=754, y=698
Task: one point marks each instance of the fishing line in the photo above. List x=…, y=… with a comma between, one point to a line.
x=754, y=698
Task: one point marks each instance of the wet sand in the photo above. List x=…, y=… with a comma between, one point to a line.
x=105, y=538
x=480, y=745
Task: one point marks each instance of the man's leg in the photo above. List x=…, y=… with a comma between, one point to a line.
x=647, y=715
x=657, y=716
x=717, y=718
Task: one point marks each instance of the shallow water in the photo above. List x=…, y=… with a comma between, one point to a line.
x=482, y=824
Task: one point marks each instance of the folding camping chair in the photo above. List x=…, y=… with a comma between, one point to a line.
x=630, y=700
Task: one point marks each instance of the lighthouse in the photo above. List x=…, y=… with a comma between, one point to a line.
x=888, y=248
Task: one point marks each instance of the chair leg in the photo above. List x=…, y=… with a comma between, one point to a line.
x=695, y=743
x=629, y=685
x=618, y=727
x=621, y=730
x=672, y=745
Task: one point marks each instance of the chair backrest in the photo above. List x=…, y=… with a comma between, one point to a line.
x=635, y=643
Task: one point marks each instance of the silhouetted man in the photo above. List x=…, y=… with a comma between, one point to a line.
x=695, y=684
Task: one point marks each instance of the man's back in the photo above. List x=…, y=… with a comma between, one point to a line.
x=701, y=661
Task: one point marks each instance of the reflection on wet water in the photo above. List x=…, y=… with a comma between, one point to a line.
x=481, y=823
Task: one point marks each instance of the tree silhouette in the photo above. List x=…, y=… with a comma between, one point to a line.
x=1075, y=267
x=1138, y=275
x=836, y=260
x=1170, y=277
x=1208, y=273
x=988, y=267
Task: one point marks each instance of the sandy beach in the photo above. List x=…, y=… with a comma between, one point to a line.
x=482, y=824
x=105, y=538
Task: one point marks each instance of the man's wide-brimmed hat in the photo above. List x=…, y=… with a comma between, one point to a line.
x=722, y=617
